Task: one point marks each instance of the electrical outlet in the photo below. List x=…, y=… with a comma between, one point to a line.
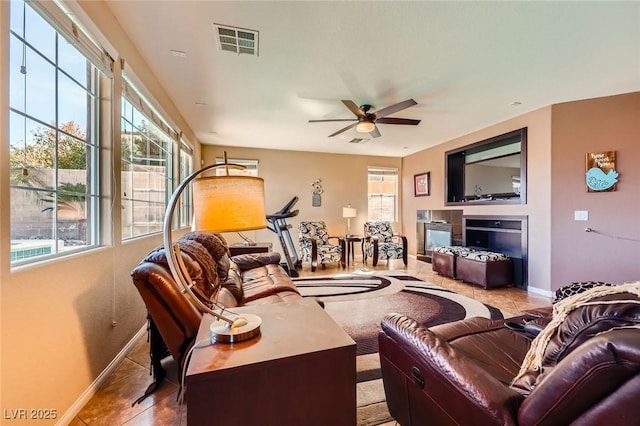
x=581, y=215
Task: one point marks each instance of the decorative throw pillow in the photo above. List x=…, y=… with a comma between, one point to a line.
x=577, y=287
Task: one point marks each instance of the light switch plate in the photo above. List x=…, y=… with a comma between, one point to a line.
x=581, y=215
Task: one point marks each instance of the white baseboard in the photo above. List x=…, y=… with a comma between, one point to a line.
x=75, y=408
x=541, y=292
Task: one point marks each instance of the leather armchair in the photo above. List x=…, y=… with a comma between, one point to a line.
x=463, y=372
x=380, y=242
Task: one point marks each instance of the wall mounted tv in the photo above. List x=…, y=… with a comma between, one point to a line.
x=492, y=171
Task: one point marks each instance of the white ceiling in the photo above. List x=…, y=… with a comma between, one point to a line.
x=463, y=62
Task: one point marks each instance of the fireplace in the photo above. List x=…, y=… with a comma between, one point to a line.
x=435, y=235
x=437, y=228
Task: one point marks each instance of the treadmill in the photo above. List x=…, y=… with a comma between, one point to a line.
x=278, y=224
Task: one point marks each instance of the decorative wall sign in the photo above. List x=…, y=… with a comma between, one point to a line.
x=316, y=201
x=601, y=175
x=422, y=184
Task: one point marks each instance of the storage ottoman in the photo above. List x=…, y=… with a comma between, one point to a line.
x=484, y=268
x=443, y=259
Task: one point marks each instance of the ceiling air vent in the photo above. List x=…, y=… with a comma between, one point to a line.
x=237, y=40
x=358, y=140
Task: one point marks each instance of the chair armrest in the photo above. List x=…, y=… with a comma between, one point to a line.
x=401, y=238
x=339, y=239
x=588, y=382
x=452, y=386
x=314, y=251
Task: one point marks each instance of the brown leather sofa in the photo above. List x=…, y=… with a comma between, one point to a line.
x=174, y=320
x=462, y=373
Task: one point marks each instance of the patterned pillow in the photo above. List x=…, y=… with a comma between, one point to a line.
x=577, y=287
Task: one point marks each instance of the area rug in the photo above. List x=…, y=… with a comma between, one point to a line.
x=359, y=301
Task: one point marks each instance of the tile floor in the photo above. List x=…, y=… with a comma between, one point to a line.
x=112, y=404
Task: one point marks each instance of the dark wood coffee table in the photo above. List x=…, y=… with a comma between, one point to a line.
x=300, y=371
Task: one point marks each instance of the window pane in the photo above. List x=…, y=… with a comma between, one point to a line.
x=29, y=222
x=29, y=25
x=72, y=62
x=31, y=153
x=17, y=88
x=40, y=88
x=74, y=105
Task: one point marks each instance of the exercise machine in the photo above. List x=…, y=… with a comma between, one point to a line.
x=278, y=224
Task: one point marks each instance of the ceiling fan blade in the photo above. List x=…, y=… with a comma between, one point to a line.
x=344, y=130
x=375, y=133
x=394, y=108
x=393, y=120
x=354, y=108
x=333, y=119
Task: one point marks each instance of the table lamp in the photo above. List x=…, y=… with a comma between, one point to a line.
x=220, y=204
x=349, y=212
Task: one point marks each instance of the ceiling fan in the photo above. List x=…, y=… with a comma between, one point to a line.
x=365, y=121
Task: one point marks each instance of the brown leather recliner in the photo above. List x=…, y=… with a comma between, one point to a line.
x=173, y=318
x=461, y=373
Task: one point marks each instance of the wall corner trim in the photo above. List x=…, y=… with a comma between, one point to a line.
x=541, y=292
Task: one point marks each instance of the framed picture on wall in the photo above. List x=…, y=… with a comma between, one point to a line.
x=422, y=184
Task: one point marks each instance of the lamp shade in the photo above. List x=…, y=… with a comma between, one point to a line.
x=228, y=203
x=349, y=212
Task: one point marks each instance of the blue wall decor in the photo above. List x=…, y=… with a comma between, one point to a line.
x=601, y=175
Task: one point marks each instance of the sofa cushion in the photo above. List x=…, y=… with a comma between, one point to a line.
x=255, y=260
x=452, y=250
x=483, y=255
x=265, y=281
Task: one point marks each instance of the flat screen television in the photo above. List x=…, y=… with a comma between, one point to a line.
x=492, y=171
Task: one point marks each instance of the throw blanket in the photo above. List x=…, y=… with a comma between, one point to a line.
x=204, y=248
x=535, y=355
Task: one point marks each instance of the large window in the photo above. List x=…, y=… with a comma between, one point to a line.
x=146, y=175
x=383, y=194
x=53, y=128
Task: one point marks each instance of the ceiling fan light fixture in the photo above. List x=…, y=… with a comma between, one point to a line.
x=365, y=126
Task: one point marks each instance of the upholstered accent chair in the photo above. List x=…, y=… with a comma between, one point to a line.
x=380, y=242
x=317, y=246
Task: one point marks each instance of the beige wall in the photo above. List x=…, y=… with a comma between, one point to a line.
x=612, y=252
x=57, y=317
x=538, y=188
x=290, y=173
x=559, y=137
